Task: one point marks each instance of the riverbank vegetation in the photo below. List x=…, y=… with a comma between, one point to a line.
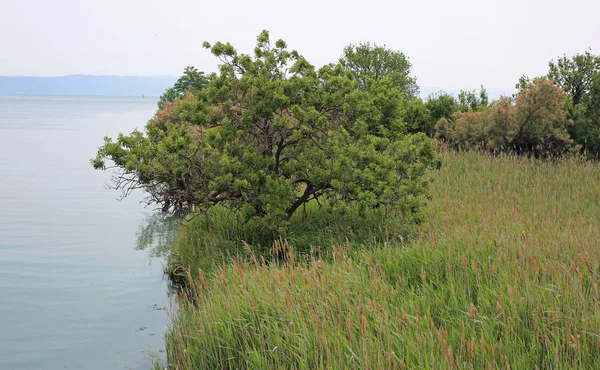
x=503, y=273
x=323, y=230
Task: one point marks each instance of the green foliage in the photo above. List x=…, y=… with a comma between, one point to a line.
x=158, y=160
x=218, y=238
x=369, y=62
x=169, y=95
x=192, y=80
x=418, y=117
x=470, y=100
x=268, y=134
x=520, y=86
x=579, y=77
x=441, y=105
x=534, y=123
x=585, y=130
x=575, y=75
x=588, y=134
x=592, y=100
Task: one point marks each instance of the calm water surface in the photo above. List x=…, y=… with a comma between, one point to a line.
x=75, y=293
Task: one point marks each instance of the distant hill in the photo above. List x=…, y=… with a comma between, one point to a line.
x=86, y=85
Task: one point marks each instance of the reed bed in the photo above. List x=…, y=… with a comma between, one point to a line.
x=503, y=273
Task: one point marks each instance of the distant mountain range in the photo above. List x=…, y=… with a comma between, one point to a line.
x=151, y=86
x=86, y=85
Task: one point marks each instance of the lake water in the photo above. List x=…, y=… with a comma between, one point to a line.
x=75, y=291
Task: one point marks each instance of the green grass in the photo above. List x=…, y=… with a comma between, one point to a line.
x=209, y=241
x=503, y=273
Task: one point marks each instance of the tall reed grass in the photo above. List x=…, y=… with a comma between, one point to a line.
x=503, y=273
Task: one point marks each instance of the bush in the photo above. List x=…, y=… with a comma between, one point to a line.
x=535, y=123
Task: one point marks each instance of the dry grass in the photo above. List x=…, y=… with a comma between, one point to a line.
x=504, y=274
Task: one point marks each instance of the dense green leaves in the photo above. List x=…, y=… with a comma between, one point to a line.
x=441, y=105
x=369, y=62
x=575, y=75
x=579, y=77
x=269, y=133
x=192, y=80
x=418, y=118
x=471, y=100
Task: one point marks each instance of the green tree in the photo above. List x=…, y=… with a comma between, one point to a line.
x=270, y=133
x=592, y=101
x=578, y=77
x=440, y=105
x=524, y=81
x=368, y=62
x=575, y=75
x=191, y=80
x=418, y=117
x=586, y=117
x=471, y=100
x=168, y=96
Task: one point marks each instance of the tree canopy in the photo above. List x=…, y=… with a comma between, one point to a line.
x=192, y=80
x=441, y=105
x=368, y=62
x=579, y=77
x=471, y=100
x=269, y=133
x=575, y=75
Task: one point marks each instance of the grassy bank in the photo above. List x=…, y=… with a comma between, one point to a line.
x=503, y=273
x=207, y=242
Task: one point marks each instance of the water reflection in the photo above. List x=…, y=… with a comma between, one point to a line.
x=156, y=233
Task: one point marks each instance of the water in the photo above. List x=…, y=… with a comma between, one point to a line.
x=75, y=293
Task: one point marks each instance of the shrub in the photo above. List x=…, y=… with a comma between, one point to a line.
x=533, y=123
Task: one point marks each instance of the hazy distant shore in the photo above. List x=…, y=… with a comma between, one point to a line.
x=86, y=85
x=131, y=86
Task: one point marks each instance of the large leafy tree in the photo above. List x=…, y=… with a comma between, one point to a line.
x=575, y=75
x=269, y=133
x=368, y=62
x=578, y=77
x=386, y=73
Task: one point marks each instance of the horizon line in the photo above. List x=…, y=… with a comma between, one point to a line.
x=90, y=75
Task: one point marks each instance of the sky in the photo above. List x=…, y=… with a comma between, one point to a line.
x=451, y=44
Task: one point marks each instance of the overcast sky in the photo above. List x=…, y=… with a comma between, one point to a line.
x=451, y=44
